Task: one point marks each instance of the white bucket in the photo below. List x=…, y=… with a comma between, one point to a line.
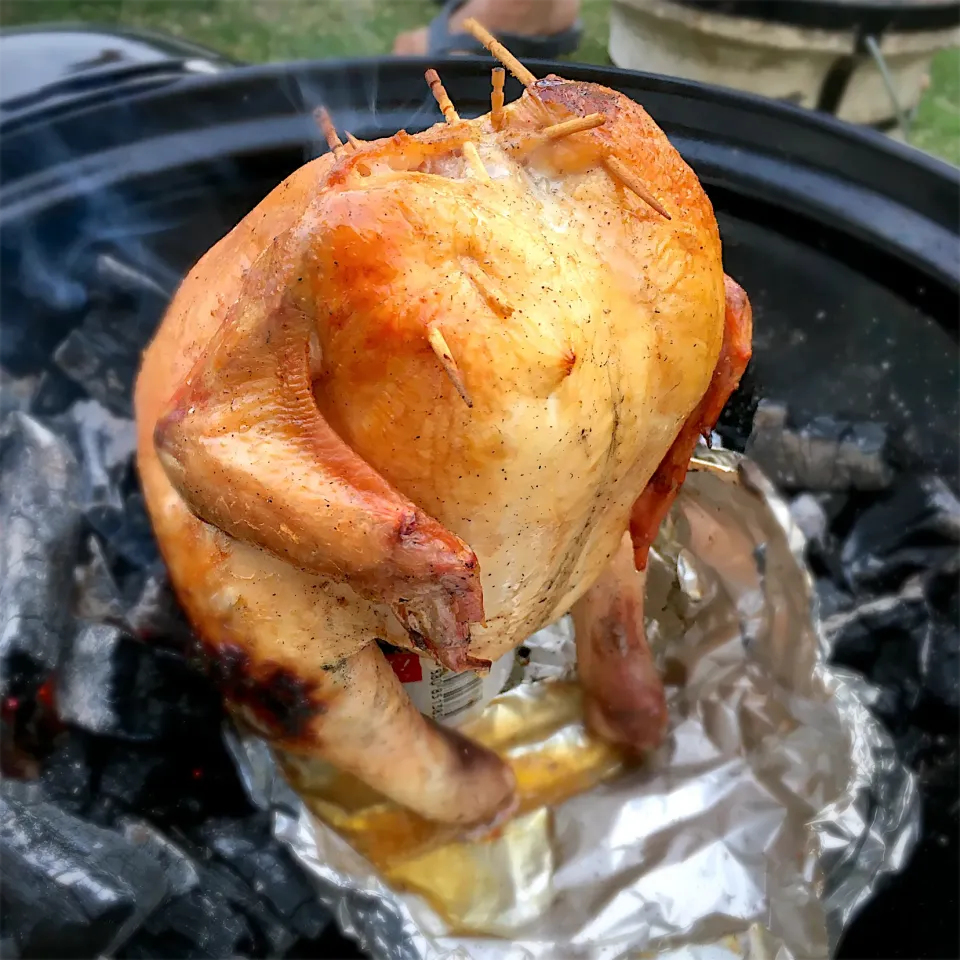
x=775, y=60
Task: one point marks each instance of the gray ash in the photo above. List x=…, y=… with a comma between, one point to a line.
x=117, y=771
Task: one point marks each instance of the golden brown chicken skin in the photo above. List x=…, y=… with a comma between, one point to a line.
x=416, y=396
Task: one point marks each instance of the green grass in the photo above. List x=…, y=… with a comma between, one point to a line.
x=936, y=128
x=260, y=30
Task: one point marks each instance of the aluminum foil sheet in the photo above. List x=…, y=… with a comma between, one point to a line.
x=773, y=809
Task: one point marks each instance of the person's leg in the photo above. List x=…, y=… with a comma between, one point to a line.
x=523, y=17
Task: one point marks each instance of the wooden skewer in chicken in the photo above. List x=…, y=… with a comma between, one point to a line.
x=439, y=390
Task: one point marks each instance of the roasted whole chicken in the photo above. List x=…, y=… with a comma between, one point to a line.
x=437, y=391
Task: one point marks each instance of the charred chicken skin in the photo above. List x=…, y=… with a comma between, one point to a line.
x=438, y=391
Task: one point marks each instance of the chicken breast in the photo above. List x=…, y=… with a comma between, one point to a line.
x=416, y=396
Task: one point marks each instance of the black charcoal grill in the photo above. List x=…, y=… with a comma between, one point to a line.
x=116, y=770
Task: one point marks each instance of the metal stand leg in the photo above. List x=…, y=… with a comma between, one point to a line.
x=904, y=118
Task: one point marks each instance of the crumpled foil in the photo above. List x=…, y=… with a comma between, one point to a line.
x=768, y=817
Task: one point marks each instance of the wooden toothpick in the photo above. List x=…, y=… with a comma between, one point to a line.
x=450, y=114
x=498, y=50
x=496, y=98
x=565, y=128
x=322, y=117
x=441, y=348
x=620, y=172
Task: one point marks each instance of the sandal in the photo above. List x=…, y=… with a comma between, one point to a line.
x=441, y=42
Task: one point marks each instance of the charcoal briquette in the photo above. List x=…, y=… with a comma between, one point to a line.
x=55, y=394
x=231, y=838
x=179, y=869
x=106, y=444
x=16, y=393
x=310, y=919
x=36, y=315
x=157, y=695
x=97, y=598
x=85, y=683
x=145, y=946
x=113, y=685
x=126, y=774
x=154, y=613
x=40, y=518
x=127, y=532
x=940, y=654
x=822, y=455
x=102, y=354
x=332, y=943
x=66, y=773
x=882, y=638
x=103, y=810
x=823, y=558
x=200, y=924
x=274, y=935
x=71, y=889
x=831, y=599
x=249, y=848
x=808, y=514
x=833, y=503
x=916, y=528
